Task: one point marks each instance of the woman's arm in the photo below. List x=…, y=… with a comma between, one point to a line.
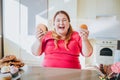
x=37, y=45
x=37, y=48
x=87, y=48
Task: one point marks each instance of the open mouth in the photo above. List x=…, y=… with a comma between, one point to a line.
x=61, y=27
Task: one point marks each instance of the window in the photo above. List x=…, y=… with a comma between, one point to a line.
x=20, y=17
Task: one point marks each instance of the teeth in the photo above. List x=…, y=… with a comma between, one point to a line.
x=61, y=27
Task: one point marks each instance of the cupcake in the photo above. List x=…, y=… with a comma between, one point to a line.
x=14, y=71
x=5, y=69
x=6, y=76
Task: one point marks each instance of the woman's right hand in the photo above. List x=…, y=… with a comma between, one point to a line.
x=41, y=31
x=39, y=34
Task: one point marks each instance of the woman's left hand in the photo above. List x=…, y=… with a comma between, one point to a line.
x=84, y=33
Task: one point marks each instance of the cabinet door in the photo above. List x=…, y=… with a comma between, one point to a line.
x=86, y=9
x=108, y=7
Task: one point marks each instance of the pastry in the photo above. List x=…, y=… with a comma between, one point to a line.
x=11, y=60
x=8, y=58
x=6, y=76
x=17, y=64
x=14, y=71
x=4, y=64
x=5, y=69
x=42, y=27
x=84, y=26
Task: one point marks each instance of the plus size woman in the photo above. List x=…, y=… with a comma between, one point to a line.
x=62, y=46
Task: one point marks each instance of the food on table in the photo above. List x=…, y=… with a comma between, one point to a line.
x=5, y=69
x=6, y=76
x=10, y=64
x=14, y=71
x=8, y=58
x=11, y=60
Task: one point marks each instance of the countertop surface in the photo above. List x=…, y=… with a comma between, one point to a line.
x=39, y=73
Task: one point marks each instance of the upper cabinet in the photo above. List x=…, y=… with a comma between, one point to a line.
x=86, y=9
x=91, y=8
x=108, y=7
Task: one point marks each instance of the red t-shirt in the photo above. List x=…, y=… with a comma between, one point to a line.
x=61, y=57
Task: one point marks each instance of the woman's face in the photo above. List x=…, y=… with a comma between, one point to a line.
x=61, y=24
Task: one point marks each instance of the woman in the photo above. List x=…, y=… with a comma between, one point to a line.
x=62, y=46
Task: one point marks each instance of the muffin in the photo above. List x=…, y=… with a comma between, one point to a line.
x=6, y=76
x=14, y=71
x=5, y=69
x=42, y=27
x=84, y=26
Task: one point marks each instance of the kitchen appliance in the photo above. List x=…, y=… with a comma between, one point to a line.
x=105, y=51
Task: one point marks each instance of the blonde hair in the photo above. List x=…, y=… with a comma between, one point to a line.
x=68, y=35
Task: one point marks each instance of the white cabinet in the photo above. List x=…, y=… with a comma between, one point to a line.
x=108, y=7
x=89, y=9
x=86, y=9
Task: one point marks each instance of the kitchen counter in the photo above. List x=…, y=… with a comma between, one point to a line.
x=39, y=73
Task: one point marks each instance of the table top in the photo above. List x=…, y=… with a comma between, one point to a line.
x=40, y=73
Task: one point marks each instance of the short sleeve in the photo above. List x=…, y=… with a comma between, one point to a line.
x=45, y=39
x=76, y=37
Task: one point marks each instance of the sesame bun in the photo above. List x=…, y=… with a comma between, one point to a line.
x=84, y=26
x=41, y=27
